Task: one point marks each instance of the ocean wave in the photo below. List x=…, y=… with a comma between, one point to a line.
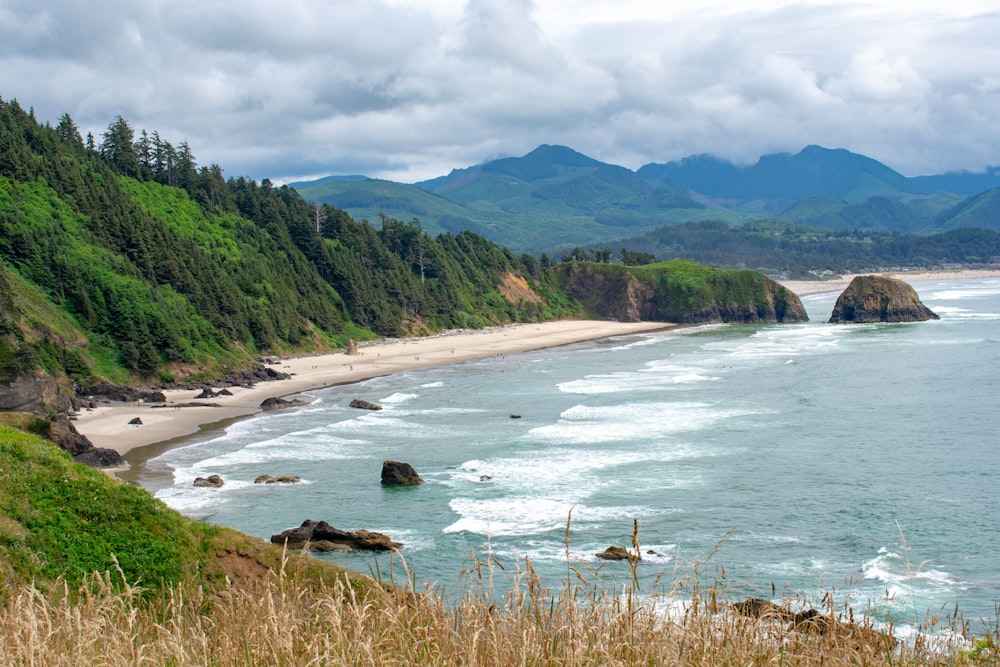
x=529, y=515
x=397, y=398
x=639, y=422
x=903, y=581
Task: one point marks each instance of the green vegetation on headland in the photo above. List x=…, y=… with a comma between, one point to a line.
x=96, y=571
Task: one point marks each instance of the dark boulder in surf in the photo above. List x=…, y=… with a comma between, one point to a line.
x=397, y=473
x=618, y=553
x=279, y=404
x=879, y=299
x=212, y=481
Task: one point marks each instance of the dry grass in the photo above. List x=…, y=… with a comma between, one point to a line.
x=279, y=620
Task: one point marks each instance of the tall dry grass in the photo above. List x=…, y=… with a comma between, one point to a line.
x=278, y=620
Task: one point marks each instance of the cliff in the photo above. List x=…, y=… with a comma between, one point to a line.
x=879, y=299
x=680, y=291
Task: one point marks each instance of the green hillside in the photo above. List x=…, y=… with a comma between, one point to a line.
x=547, y=201
x=794, y=249
x=62, y=522
x=980, y=211
x=124, y=259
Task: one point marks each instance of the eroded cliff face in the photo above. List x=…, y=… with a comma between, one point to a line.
x=879, y=299
x=727, y=296
x=620, y=297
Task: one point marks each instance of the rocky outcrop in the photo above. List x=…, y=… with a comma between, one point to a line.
x=280, y=404
x=619, y=296
x=280, y=479
x=60, y=431
x=316, y=532
x=879, y=299
x=682, y=295
x=397, y=473
x=100, y=457
x=618, y=553
x=212, y=481
x=245, y=378
x=364, y=405
x=122, y=394
x=37, y=394
x=813, y=622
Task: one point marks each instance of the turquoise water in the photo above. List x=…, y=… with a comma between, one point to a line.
x=858, y=459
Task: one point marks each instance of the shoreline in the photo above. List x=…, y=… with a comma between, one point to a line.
x=182, y=415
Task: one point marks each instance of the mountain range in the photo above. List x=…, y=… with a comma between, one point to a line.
x=554, y=197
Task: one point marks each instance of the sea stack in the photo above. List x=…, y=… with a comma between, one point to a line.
x=879, y=299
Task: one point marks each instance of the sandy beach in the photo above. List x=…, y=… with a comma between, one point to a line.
x=108, y=425
x=182, y=415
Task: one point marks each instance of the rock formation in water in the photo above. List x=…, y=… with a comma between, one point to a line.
x=312, y=533
x=270, y=404
x=618, y=553
x=212, y=481
x=397, y=473
x=879, y=299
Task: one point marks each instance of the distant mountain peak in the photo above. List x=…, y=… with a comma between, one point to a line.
x=561, y=155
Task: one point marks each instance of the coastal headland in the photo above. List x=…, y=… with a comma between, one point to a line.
x=108, y=425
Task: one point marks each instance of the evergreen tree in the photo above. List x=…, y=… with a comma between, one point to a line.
x=118, y=147
x=68, y=132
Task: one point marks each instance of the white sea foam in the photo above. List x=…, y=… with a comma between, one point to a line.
x=904, y=579
x=431, y=385
x=529, y=515
x=639, y=422
x=544, y=470
x=397, y=398
x=982, y=290
x=654, y=375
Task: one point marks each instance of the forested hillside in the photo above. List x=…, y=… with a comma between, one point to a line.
x=122, y=257
x=778, y=246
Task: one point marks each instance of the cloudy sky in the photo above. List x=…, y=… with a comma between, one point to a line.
x=409, y=89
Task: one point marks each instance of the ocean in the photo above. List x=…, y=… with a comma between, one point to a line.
x=803, y=459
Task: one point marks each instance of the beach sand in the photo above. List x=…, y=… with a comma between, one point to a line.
x=182, y=415
x=108, y=424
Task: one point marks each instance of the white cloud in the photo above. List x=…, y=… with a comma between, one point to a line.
x=408, y=89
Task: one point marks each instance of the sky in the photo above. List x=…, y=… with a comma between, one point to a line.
x=409, y=89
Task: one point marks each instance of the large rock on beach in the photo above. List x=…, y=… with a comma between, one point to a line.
x=212, y=481
x=397, y=473
x=315, y=532
x=879, y=299
x=364, y=405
